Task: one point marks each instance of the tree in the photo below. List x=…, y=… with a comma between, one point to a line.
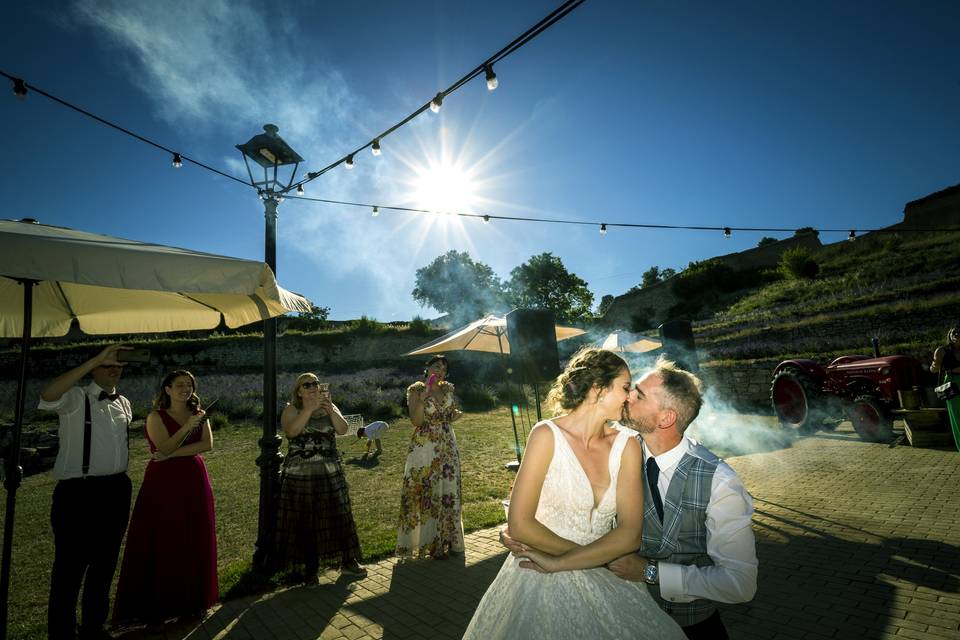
x=797, y=263
x=650, y=276
x=802, y=231
x=543, y=282
x=605, y=303
x=453, y=283
x=312, y=320
x=765, y=240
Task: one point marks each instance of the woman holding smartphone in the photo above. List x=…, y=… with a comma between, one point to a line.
x=170, y=562
x=430, y=509
x=315, y=519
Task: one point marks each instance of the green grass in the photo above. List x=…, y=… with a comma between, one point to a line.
x=485, y=441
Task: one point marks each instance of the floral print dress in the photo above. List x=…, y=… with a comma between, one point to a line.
x=430, y=509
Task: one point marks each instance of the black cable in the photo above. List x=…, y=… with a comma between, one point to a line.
x=490, y=216
x=119, y=128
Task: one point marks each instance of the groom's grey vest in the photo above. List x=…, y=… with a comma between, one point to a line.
x=682, y=538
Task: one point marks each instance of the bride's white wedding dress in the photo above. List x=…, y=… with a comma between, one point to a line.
x=583, y=604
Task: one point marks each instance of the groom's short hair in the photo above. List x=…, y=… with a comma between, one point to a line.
x=681, y=391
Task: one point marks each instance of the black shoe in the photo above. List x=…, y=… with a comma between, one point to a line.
x=352, y=568
x=93, y=633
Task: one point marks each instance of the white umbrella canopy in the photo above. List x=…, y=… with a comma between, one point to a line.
x=112, y=285
x=486, y=334
x=626, y=342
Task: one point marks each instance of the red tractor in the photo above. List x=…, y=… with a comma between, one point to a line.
x=863, y=389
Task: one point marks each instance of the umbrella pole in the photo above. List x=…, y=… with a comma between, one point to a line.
x=513, y=417
x=14, y=473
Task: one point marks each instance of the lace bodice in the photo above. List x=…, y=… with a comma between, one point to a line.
x=566, y=500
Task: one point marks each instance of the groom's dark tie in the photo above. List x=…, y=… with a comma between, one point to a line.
x=653, y=474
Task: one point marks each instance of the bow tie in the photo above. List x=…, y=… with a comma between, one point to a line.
x=105, y=396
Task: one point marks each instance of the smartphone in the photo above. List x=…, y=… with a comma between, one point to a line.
x=133, y=355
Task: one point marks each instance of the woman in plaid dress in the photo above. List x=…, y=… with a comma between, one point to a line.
x=315, y=525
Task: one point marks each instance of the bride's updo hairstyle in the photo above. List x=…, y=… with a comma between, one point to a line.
x=588, y=367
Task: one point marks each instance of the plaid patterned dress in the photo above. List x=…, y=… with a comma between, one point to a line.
x=315, y=519
x=430, y=511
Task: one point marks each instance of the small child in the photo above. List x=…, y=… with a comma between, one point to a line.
x=372, y=431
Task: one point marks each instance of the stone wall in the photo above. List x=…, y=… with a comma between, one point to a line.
x=741, y=386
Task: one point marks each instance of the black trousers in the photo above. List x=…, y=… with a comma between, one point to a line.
x=710, y=629
x=89, y=517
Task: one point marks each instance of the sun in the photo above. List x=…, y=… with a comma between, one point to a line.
x=445, y=188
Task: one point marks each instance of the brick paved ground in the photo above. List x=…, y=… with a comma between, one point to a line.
x=855, y=540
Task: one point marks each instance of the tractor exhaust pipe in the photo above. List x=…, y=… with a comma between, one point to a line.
x=875, y=341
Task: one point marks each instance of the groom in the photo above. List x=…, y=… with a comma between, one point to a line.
x=698, y=547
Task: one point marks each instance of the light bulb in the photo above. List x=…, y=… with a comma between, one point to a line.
x=492, y=82
x=437, y=102
x=177, y=161
x=20, y=89
x=852, y=236
x=375, y=149
x=300, y=191
x=376, y=211
x=349, y=162
x=603, y=229
x=486, y=219
x=726, y=232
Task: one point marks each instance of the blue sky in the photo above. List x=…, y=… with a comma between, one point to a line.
x=826, y=114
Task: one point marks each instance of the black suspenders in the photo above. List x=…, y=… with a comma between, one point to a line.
x=87, y=426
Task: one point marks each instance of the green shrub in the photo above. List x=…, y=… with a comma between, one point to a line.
x=419, y=327
x=366, y=326
x=219, y=421
x=796, y=264
x=477, y=397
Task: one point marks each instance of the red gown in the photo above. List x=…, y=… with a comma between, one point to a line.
x=170, y=560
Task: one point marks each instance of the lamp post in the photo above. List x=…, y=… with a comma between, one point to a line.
x=270, y=152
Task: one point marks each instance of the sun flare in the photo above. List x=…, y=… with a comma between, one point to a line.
x=444, y=188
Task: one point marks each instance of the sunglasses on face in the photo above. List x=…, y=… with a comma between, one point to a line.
x=313, y=384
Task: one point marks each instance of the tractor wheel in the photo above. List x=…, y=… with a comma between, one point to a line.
x=796, y=400
x=870, y=420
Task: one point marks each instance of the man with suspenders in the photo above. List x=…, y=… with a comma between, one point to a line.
x=91, y=502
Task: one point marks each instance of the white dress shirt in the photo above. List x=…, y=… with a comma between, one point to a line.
x=108, y=432
x=730, y=541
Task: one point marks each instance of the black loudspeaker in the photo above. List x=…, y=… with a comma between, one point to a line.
x=533, y=345
x=678, y=344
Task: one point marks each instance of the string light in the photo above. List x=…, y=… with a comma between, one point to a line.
x=300, y=191
x=852, y=235
x=177, y=161
x=486, y=219
x=603, y=229
x=492, y=82
x=20, y=89
x=376, y=211
x=349, y=162
x=726, y=232
x=437, y=102
x=375, y=149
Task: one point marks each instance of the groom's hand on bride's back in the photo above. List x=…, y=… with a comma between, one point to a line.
x=629, y=567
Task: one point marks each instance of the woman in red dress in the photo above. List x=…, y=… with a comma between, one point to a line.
x=170, y=562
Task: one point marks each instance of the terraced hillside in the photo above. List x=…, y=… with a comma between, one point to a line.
x=902, y=288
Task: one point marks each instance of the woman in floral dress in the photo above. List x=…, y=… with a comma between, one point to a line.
x=430, y=509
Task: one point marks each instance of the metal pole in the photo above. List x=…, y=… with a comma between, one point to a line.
x=14, y=472
x=270, y=456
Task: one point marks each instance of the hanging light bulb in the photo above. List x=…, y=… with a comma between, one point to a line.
x=349, y=162
x=375, y=149
x=603, y=229
x=726, y=232
x=300, y=190
x=437, y=102
x=261, y=194
x=486, y=219
x=852, y=235
x=492, y=82
x=20, y=89
x=376, y=211
x=177, y=161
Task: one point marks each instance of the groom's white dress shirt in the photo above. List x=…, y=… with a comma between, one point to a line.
x=730, y=541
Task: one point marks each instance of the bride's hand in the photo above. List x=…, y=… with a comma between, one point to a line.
x=539, y=561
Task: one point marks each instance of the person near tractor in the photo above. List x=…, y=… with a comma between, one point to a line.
x=946, y=358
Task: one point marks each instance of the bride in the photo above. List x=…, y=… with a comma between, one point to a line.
x=570, y=517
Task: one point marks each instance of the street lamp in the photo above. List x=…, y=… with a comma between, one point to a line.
x=270, y=152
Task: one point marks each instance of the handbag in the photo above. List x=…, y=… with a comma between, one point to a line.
x=947, y=391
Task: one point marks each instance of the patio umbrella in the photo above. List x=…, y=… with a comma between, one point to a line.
x=486, y=334
x=51, y=276
x=626, y=342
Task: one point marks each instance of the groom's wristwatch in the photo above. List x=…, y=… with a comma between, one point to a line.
x=651, y=573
